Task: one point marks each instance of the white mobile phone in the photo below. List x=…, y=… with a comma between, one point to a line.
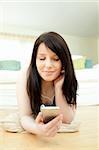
x=49, y=112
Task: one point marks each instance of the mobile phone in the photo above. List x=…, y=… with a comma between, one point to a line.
x=49, y=112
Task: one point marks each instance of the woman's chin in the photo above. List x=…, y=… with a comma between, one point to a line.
x=48, y=79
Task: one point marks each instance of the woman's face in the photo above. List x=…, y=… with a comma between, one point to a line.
x=48, y=64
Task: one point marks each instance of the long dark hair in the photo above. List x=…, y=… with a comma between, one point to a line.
x=58, y=45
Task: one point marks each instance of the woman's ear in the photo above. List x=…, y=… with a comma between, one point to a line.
x=62, y=71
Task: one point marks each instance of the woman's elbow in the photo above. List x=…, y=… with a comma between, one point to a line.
x=68, y=119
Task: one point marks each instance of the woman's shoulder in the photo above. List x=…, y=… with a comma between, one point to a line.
x=24, y=69
x=26, y=65
x=22, y=76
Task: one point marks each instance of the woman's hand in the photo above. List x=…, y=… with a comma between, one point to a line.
x=58, y=82
x=49, y=129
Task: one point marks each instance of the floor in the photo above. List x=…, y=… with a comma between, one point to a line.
x=86, y=139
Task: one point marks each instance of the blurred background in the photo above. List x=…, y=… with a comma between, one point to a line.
x=21, y=22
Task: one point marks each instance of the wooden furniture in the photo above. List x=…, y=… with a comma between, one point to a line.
x=86, y=139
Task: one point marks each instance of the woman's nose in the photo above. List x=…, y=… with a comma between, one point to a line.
x=49, y=63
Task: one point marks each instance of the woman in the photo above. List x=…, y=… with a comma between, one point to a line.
x=49, y=80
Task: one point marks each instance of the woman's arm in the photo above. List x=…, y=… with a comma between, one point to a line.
x=67, y=110
x=26, y=117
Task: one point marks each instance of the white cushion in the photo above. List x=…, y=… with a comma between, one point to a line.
x=8, y=76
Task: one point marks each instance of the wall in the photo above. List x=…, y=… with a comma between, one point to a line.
x=83, y=46
x=86, y=46
x=16, y=50
x=98, y=48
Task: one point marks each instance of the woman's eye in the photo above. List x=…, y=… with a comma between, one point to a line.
x=56, y=59
x=42, y=58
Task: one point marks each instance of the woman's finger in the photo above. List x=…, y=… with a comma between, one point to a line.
x=55, y=121
x=39, y=118
x=52, y=131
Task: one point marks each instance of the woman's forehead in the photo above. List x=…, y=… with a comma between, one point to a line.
x=44, y=50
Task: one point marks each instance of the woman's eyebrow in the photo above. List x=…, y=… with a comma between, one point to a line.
x=41, y=54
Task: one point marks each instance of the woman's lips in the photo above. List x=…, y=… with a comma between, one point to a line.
x=48, y=72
